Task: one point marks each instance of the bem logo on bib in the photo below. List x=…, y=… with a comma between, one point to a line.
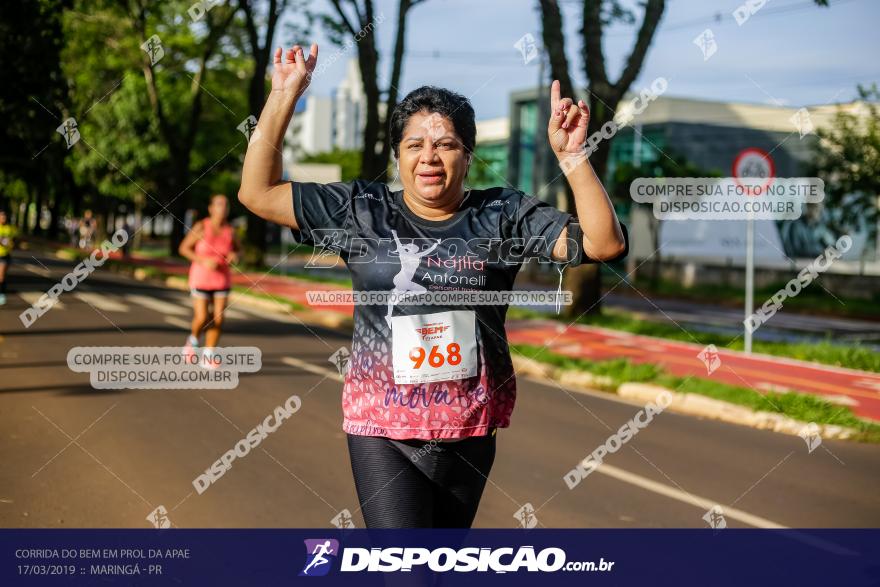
x=433, y=331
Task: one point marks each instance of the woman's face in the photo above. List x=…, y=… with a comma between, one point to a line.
x=433, y=160
x=218, y=209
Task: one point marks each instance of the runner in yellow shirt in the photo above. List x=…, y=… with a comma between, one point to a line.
x=7, y=241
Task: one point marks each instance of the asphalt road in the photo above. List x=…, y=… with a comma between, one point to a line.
x=74, y=456
x=784, y=326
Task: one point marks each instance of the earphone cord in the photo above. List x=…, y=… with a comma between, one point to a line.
x=559, y=268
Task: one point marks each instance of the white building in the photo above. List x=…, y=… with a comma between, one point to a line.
x=327, y=123
x=312, y=128
x=349, y=106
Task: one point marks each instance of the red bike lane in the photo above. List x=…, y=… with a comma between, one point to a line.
x=860, y=390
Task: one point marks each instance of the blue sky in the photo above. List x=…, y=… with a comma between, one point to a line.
x=790, y=51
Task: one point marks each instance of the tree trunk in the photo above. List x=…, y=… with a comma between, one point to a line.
x=658, y=259
x=584, y=282
x=24, y=221
x=394, y=83
x=76, y=195
x=371, y=165
x=376, y=148
x=38, y=206
x=255, y=236
x=177, y=208
x=55, y=211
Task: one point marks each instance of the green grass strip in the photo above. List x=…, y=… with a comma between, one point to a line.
x=799, y=406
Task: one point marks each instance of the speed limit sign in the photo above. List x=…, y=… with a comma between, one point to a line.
x=753, y=170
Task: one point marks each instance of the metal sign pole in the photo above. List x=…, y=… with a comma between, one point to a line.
x=750, y=279
x=753, y=163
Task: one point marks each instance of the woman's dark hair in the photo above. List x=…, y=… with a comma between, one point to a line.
x=432, y=99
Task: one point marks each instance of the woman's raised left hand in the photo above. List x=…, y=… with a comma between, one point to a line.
x=567, y=129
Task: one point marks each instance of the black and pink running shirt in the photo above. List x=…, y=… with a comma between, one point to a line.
x=439, y=370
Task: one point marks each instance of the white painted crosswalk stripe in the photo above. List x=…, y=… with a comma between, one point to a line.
x=102, y=302
x=158, y=305
x=41, y=271
x=31, y=297
x=306, y=366
x=178, y=322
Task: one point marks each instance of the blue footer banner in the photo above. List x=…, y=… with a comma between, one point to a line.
x=322, y=557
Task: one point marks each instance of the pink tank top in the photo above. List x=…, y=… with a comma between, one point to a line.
x=216, y=244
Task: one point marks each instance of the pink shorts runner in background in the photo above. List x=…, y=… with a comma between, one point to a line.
x=215, y=244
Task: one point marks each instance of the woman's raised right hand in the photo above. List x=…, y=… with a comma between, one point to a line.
x=294, y=74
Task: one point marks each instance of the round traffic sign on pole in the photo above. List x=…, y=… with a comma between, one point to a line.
x=756, y=165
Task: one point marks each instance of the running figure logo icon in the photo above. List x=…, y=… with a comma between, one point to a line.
x=320, y=553
x=410, y=257
x=526, y=516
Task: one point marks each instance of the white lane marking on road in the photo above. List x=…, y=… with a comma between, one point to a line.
x=31, y=297
x=611, y=471
x=729, y=512
x=37, y=270
x=102, y=302
x=305, y=366
x=688, y=498
x=158, y=305
x=280, y=314
x=180, y=323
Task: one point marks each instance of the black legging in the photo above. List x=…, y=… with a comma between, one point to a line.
x=420, y=484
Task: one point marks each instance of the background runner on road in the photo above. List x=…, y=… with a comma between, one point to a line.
x=211, y=246
x=8, y=233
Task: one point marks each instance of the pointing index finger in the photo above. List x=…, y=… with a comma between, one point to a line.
x=554, y=95
x=313, y=57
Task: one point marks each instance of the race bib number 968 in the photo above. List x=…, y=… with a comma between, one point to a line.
x=434, y=347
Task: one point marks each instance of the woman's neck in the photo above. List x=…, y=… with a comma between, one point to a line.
x=441, y=212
